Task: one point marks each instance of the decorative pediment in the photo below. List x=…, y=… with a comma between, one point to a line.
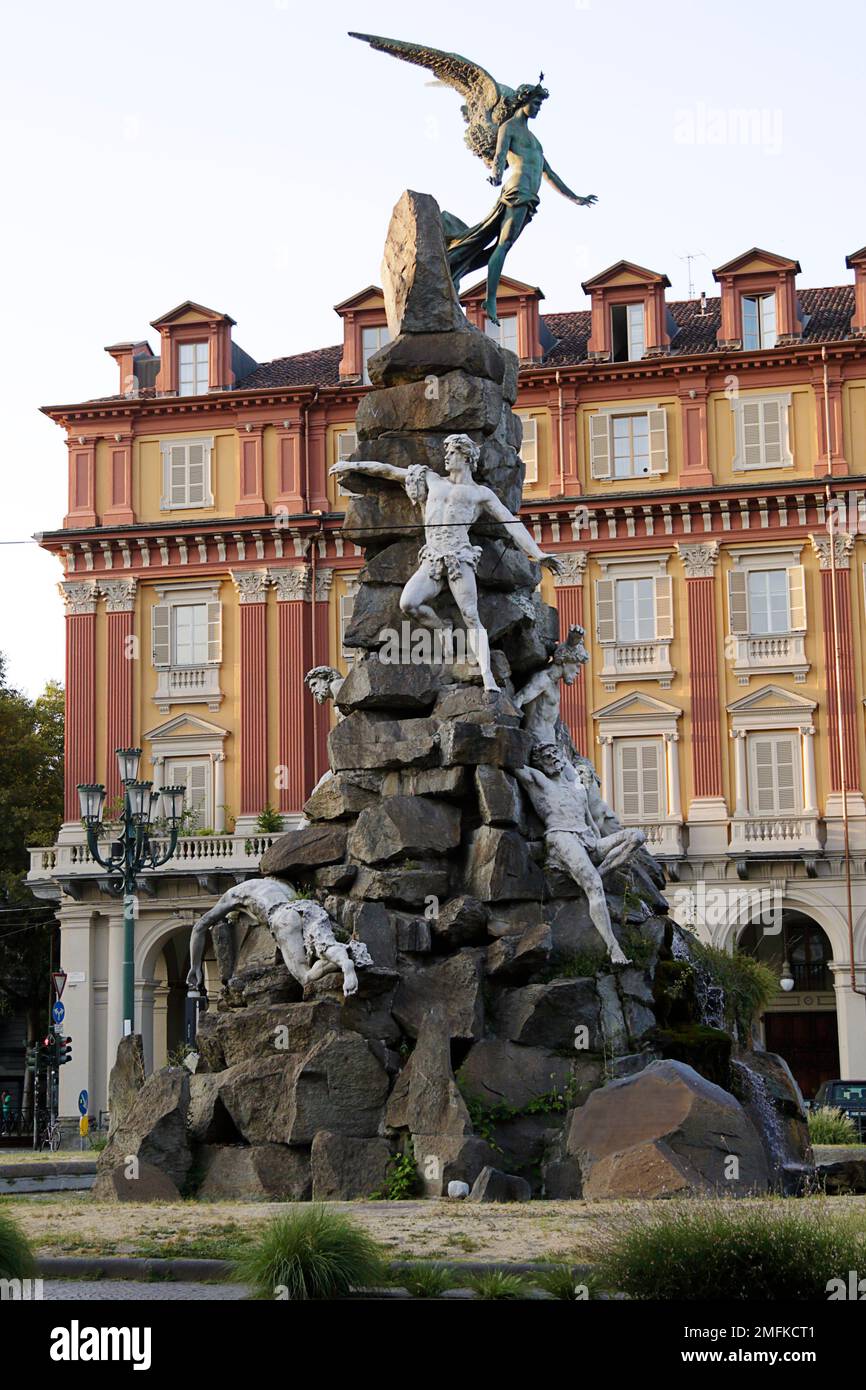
x=190, y=312
x=186, y=726
x=771, y=697
x=638, y=705
x=508, y=288
x=755, y=261
x=372, y=297
x=625, y=273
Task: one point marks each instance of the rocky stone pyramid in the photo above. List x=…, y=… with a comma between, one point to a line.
x=492, y=1042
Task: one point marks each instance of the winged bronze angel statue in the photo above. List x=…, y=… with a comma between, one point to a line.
x=498, y=132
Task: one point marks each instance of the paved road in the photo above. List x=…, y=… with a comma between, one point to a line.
x=132, y=1291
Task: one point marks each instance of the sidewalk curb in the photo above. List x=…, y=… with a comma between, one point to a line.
x=218, y=1271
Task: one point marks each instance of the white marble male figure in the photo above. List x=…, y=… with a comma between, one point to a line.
x=448, y=558
x=574, y=841
x=324, y=683
x=301, y=928
x=540, y=697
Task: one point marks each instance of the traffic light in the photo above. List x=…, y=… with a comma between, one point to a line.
x=32, y=1055
x=64, y=1051
x=49, y=1050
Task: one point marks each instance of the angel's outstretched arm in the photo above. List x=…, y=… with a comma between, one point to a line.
x=564, y=189
x=503, y=144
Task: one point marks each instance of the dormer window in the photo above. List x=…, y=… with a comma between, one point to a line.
x=372, y=339
x=628, y=332
x=759, y=321
x=192, y=369
x=504, y=332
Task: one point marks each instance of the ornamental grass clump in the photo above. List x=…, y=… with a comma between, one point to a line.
x=311, y=1254
x=16, y=1257
x=828, y=1125
x=719, y=1249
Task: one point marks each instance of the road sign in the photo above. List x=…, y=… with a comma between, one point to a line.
x=59, y=978
x=58, y=1013
x=83, y=1101
x=83, y=1126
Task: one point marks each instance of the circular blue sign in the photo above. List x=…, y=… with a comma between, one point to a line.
x=58, y=1013
x=82, y=1103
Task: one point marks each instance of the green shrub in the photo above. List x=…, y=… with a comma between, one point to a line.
x=749, y=985
x=561, y=1281
x=717, y=1249
x=311, y=1254
x=16, y=1257
x=497, y=1284
x=827, y=1125
x=427, y=1281
x=402, y=1181
x=269, y=821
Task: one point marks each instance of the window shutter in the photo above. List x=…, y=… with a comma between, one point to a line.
x=599, y=445
x=763, y=763
x=629, y=763
x=738, y=603
x=177, y=474
x=651, y=781
x=797, y=598
x=347, y=604
x=195, y=474
x=529, y=448
x=772, y=422
x=197, y=788
x=787, y=791
x=347, y=443
x=750, y=424
x=605, y=611
x=658, y=433
x=664, y=607
x=214, y=633
x=160, y=635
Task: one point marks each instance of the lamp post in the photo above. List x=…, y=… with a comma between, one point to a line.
x=132, y=851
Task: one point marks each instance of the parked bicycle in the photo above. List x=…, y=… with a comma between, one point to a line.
x=51, y=1136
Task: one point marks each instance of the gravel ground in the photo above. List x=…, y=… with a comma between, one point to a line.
x=127, y=1291
x=74, y=1224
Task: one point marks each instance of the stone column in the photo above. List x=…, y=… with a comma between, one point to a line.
x=741, y=784
x=80, y=597
x=569, y=605
x=321, y=656
x=675, y=804
x=606, y=742
x=120, y=660
x=841, y=697
x=707, y=809
x=252, y=588
x=296, y=737
x=810, y=785
x=114, y=1012
x=219, y=795
x=851, y=1019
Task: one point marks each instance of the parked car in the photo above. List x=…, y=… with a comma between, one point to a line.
x=849, y=1096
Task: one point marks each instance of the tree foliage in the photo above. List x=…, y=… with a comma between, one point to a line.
x=31, y=811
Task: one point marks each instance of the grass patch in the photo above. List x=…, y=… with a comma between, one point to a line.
x=829, y=1125
x=497, y=1285
x=427, y=1281
x=561, y=1282
x=312, y=1254
x=700, y=1251
x=16, y=1256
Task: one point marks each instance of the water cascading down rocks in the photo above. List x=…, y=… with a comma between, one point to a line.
x=512, y=1031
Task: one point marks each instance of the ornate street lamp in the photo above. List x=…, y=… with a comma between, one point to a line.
x=133, y=851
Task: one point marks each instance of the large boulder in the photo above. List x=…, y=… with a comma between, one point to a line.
x=498, y=1072
x=263, y=1031
x=344, y=1168
x=154, y=1130
x=419, y=293
x=341, y=1086
x=425, y=1099
x=343, y=794
x=134, y=1182
x=452, y=988
x=126, y=1079
x=492, y=1185
x=373, y=740
x=548, y=1015
x=415, y=356
x=404, y=825
x=460, y=402
x=765, y=1085
x=499, y=867
x=305, y=849
x=666, y=1132
x=259, y=1172
x=408, y=887
x=377, y=684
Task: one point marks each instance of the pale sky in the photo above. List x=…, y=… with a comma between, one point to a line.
x=247, y=155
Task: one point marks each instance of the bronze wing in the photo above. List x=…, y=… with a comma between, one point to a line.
x=484, y=109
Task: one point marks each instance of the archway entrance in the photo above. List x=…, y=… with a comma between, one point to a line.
x=169, y=998
x=801, y=1024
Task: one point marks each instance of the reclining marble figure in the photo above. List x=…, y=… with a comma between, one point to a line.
x=448, y=558
x=574, y=841
x=301, y=928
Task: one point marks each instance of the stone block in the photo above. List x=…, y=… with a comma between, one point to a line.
x=499, y=869
x=372, y=740
x=345, y=1168
x=452, y=988
x=403, y=825
x=492, y=1185
x=304, y=849
x=255, y=1173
